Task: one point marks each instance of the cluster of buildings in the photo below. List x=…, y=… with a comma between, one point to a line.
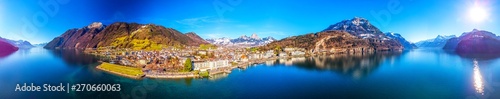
x=172, y=60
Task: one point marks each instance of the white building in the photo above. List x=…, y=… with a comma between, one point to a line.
x=255, y=56
x=298, y=53
x=283, y=54
x=268, y=54
x=207, y=65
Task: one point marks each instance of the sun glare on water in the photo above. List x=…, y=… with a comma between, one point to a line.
x=478, y=79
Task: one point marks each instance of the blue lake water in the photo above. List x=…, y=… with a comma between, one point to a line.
x=415, y=74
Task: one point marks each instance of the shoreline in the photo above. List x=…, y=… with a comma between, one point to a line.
x=192, y=74
x=184, y=75
x=117, y=73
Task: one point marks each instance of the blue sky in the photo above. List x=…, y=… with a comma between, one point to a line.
x=414, y=19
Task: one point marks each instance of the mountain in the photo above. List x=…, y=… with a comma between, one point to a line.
x=220, y=41
x=6, y=48
x=195, y=37
x=243, y=41
x=475, y=42
x=123, y=35
x=437, y=42
x=406, y=44
x=18, y=43
x=40, y=44
x=357, y=26
x=335, y=42
x=354, y=35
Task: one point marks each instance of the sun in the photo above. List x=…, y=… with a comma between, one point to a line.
x=478, y=14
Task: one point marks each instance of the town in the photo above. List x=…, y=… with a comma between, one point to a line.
x=187, y=62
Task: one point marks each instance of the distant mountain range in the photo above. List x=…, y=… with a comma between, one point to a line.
x=475, y=42
x=243, y=41
x=437, y=42
x=406, y=44
x=124, y=35
x=18, y=43
x=40, y=44
x=354, y=35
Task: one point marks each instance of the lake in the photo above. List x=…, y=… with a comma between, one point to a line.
x=414, y=74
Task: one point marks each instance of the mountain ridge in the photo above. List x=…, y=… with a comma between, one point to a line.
x=438, y=42
x=122, y=35
x=242, y=41
x=474, y=42
x=347, y=36
x=18, y=43
x=406, y=44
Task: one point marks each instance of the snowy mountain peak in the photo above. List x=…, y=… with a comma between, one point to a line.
x=95, y=25
x=254, y=36
x=357, y=26
x=358, y=21
x=244, y=37
x=437, y=42
x=392, y=34
x=242, y=41
x=441, y=37
x=396, y=36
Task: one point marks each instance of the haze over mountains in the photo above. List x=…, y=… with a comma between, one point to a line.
x=18, y=43
x=437, y=42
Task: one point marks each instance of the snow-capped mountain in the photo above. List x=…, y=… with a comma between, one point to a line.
x=406, y=44
x=437, y=42
x=357, y=26
x=18, y=43
x=220, y=41
x=242, y=41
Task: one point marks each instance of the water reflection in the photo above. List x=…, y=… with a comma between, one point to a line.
x=20, y=52
x=488, y=56
x=219, y=76
x=351, y=65
x=75, y=57
x=478, y=79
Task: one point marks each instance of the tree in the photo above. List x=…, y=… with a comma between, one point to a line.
x=277, y=49
x=254, y=49
x=207, y=46
x=188, y=66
